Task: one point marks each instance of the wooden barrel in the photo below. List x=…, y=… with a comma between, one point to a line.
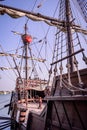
x=22, y=115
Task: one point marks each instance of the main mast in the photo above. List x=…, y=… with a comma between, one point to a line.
x=69, y=36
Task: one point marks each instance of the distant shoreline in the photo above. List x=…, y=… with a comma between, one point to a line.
x=4, y=92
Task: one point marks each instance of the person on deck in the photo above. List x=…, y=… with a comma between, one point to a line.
x=40, y=103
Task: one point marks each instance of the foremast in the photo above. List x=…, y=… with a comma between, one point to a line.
x=26, y=53
x=26, y=41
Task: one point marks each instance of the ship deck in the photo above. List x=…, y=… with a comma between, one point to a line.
x=31, y=107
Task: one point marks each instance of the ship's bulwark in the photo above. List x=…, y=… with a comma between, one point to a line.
x=63, y=112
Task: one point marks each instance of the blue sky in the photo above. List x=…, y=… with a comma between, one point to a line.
x=9, y=41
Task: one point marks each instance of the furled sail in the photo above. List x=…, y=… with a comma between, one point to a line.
x=83, y=8
x=16, y=13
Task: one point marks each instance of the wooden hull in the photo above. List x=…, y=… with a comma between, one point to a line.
x=65, y=112
x=62, y=114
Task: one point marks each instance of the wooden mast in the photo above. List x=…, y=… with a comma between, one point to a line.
x=26, y=55
x=69, y=36
x=24, y=37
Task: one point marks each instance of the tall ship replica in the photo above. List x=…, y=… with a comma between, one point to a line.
x=59, y=102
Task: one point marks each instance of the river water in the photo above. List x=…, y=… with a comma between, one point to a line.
x=4, y=99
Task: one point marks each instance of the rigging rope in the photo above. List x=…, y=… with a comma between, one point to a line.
x=59, y=50
x=7, y=122
x=31, y=10
x=39, y=51
x=71, y=87
x=33, y=65
x=20, y=63
x=83, y=7
x=8, y=60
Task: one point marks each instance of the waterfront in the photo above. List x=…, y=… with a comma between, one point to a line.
x=5, y=92
x=4, y=100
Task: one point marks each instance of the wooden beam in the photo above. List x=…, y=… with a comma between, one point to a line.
x=67, y=56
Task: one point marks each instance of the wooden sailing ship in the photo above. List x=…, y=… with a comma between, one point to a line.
x=64, y=104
